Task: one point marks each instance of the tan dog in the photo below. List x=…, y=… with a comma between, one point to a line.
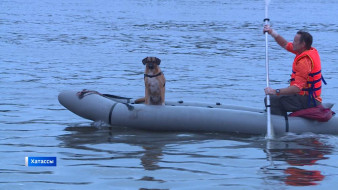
x=154, y=82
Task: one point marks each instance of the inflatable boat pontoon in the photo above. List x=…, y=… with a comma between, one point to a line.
x=187, y=116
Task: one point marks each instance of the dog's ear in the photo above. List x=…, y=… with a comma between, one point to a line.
x=144, y=61
x=157, y=61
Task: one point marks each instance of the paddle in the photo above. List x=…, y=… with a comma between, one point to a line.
x=269, y=130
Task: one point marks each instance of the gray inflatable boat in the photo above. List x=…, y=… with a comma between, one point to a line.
x=186, y=116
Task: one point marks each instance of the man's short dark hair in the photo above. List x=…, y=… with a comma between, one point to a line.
x=305, y=37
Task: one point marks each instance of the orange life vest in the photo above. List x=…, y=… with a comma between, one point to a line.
x=314, y=80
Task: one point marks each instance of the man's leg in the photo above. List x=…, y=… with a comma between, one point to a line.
x=280, y=105
x=296, y=102
x=276, y=107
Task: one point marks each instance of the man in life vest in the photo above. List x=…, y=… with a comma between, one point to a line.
x=304, y=90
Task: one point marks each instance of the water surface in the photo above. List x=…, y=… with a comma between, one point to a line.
x=211, y=51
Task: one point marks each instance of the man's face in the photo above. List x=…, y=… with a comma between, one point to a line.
x=297, y=45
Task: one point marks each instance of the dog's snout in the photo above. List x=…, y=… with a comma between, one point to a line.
x=150, y=65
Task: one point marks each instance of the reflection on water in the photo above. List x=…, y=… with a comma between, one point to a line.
x=314, y=151
x=301, y=177
x=300, y=153
x=293, y=158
